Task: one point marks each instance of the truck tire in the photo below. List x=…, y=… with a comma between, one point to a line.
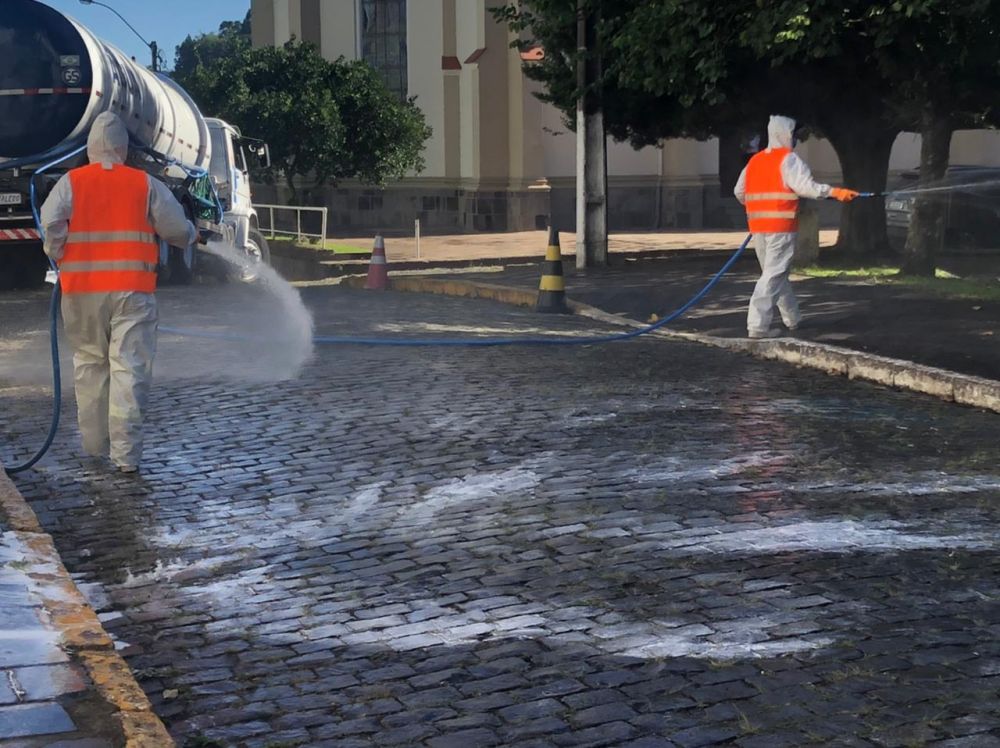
x=23, y=265
x=257, y=252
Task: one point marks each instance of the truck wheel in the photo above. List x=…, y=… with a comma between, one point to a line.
x=257, y=252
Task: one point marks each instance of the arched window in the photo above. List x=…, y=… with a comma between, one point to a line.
x=383, y=41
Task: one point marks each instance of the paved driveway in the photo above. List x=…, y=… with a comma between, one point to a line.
x=650, y=542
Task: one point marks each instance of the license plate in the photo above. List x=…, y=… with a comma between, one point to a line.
x=10, y=198
x=897, y=205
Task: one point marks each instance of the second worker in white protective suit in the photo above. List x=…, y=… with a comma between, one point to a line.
x=101, y=223
x=770, y=187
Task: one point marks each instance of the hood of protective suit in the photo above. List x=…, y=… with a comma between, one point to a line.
x=107, y=143
x=780, y=131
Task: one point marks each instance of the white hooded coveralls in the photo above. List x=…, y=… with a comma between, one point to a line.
x=775, y=251
x=113, y=334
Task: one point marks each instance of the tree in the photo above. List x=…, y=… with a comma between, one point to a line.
x=732, y=62
x=931, y=65
x=855, y=71
x=206, y=50
x=950, y=83
x=323, y=120
x=698, y=68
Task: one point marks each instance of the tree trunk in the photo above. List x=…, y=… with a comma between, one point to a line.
x=927, y=224
x=591, y=144
x=293, y=197
x=863, y=151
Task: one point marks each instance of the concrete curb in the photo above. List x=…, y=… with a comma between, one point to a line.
x=964, y=389
x=450, y=287
x=80, y=631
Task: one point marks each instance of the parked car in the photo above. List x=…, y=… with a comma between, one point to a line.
x=972, y=207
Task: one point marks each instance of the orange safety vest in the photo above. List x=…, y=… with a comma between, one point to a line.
x=771, y=206
x=111, y=244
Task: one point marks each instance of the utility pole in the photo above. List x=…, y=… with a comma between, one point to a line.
x=591, y=153
x=153, y=48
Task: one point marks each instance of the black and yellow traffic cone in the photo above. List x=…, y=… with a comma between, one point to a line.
x=552, y=288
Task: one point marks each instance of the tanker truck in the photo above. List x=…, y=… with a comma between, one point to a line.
x=55, y=78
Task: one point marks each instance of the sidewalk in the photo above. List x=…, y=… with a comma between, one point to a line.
x=522, y=244
x=61, y=681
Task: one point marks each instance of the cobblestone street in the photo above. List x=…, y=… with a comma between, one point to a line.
x=641, y=544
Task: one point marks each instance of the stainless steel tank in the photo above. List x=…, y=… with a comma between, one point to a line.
x=56, y=77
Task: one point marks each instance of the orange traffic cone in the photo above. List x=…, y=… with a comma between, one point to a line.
x=552, y=288
x=378, y=267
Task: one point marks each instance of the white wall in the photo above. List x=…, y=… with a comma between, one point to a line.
x=469, y=36
x=338, y=21
x=979, y=147
x=686, y=160
x=282, y=28
x=423, y=69
x=559, y=144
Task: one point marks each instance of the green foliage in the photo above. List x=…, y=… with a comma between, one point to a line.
x=327, y=120
x=666, y=95
x=855, y=71
x=697, y=65
x=204, y=51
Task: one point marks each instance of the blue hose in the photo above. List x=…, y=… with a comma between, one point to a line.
x=484, y=342
x=56, y=384
x=53, y=327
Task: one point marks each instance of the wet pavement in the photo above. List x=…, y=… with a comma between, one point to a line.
x=647, y=544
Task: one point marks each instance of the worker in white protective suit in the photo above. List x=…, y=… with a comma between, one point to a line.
x=101, y=223
x=770, y=187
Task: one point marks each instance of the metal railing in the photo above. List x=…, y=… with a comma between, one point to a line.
x=286, y=226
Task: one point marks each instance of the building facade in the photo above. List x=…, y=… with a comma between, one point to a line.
x=499, y=159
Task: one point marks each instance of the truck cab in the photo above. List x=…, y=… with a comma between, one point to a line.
x=229, y=170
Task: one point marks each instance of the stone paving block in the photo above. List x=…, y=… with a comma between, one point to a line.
x=593, y=697
x=543, y=726
x=7, y=695
x=284, y=738
x=602, y=714
x=30, y=720
x=490, y=685
x=970, y=741
x=465, y=738
x=443, y=696
x=700, y=736
x=406, y=736
x=609, y=734
x=34, y=646
x=405, y=718
x=49, y=681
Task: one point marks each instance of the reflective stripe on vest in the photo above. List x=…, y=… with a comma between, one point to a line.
x=111, y=245
x=771, y=206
